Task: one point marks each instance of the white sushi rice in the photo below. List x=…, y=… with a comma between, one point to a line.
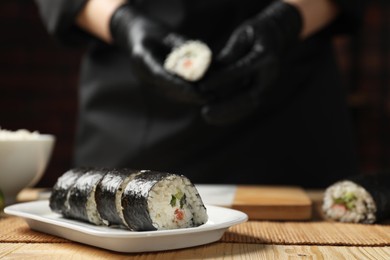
x=20, y=134
x=168, y=215
x=92, y=212
x=361, y=207
x=189, y=61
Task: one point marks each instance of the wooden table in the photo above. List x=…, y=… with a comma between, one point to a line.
x=217, y=250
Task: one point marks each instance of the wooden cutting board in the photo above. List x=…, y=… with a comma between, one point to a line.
x=260, y=202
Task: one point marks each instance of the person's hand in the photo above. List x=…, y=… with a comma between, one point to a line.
x=148, y=43
x=250, y=63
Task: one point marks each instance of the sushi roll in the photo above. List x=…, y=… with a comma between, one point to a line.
x=359, y=199
x=108, y=195
x=59, y=195
x=159, y=201
x=189, y=61
x=81, y=198
x=137, y=200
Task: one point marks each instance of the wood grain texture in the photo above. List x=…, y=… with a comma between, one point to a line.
x=218, y=250
x=273, y=202
x=212, y=251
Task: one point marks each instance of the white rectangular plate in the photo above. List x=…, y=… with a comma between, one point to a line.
x=39, y=217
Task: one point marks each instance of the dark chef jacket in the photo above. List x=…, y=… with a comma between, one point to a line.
x=307, y=140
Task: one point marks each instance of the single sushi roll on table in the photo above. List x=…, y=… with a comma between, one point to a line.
x=189, y=61
x=138, y=200
x=359, y=199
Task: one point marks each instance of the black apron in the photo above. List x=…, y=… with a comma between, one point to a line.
x=306, y=141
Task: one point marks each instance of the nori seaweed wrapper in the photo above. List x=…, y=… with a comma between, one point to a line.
x=106, y=192
x=61, y=188
x=79, y=193
x=378, y=186
x=135, y=200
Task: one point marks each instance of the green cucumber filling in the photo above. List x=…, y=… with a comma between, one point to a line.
x=347, y=199
x=178, y=197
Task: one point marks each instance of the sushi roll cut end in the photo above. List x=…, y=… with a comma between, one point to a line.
x=346, y=201
x=161, y=201
x=189, y=61
x=175, y=203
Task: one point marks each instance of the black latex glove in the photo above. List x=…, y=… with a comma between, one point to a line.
x=250, y=64
x=148, y=43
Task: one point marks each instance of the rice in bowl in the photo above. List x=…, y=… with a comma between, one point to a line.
x=20, y=134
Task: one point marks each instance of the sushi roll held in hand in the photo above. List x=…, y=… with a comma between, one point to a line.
x=138, y=200
x=189, y=61
x=359, y=199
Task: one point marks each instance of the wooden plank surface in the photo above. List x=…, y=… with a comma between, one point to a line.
x=212, y=251
x=273, y=202
x=216, y=250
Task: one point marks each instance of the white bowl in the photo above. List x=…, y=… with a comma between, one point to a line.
x=22, y=163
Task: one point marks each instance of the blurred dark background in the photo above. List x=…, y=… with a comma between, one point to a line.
x=39, y=77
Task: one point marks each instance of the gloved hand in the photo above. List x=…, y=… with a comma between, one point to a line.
x=250, y=63
x=148, y=43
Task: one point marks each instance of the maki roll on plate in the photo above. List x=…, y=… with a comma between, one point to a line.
x=81, y=198
x=59, y=195
x=138, y=200
x=109, y=192
x=359, y=199
x=156, y=201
